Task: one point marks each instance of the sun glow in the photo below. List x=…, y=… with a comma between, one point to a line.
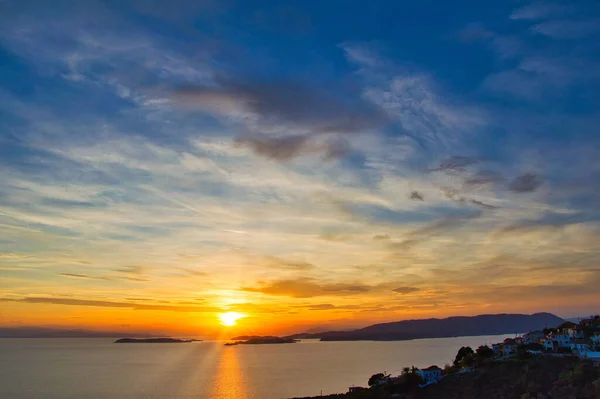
x=230, y=318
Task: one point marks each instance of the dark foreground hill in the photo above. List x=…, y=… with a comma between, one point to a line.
x=438, y=328
x=541, y=377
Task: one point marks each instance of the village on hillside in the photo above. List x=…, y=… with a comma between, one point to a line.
x=568, y=339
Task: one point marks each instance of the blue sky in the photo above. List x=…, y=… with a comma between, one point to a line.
x=296, y=158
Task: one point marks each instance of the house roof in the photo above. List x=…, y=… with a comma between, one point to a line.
x=432, y=368
x=510, y=341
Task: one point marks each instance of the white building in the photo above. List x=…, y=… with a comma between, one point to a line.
x=509, y=347
x=533, y=337
x=563, y=340
x=549, y=344
x=576, y=333
x=430, y=375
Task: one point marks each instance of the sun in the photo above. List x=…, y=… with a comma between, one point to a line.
x=229, y=319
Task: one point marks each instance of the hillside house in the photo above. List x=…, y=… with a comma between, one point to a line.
x=533, y=337
x=509, y=347
x=576, y=333
x=549, y=344
x=562, y=339
x=497, y=348
x=430, y=375
x=580, y=346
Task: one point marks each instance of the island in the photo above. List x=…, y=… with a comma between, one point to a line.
x=153, y=340
x=258, y=340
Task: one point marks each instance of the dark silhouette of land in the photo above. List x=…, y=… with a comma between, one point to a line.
x=259, y=340
x=441, y=328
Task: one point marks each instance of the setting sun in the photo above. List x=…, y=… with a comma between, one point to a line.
x=230, y=318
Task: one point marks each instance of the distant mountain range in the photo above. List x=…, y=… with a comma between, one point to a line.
x=44, y=332
x=492, y=324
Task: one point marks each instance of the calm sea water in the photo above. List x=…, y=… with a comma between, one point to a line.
x=97, y=368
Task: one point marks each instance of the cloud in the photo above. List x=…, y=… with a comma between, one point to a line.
x=482, y=204
x=567, y=29
x=416, y=196
x=307, y=288
x=11, y=256
x=453, y=194
x=133, y=273
x=278, y=107
x=455, y=164
x=110, y=304
x=506, y=47
x=483, y=178
x=433, y=230
x=406, y=290
x=322, y=306
x=286, y=148
x=525, y=183
x=284, y=264
x=83, y=276
x=413, y=102
x=539, y=10
x=192, y=272
x=380, y=237
x=547, y=222
x=133, y=270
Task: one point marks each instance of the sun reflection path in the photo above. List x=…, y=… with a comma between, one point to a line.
x=229, y=382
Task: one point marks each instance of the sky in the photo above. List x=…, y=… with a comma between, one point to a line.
x=308, y=165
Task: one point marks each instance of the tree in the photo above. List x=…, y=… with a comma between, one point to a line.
x=464, y=356
x=484, y=352
x=377, y=378
x=408, y=380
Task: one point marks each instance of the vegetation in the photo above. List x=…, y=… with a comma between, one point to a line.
x=464, y=357
x=377, y=379
x=539, y=377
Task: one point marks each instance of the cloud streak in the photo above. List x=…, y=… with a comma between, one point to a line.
x=110, y=304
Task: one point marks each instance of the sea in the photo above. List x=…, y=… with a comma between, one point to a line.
x=57, y=368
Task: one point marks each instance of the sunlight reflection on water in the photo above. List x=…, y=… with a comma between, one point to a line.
x=230, y=382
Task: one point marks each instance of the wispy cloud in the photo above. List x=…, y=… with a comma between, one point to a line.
x=308, y=288
x=111, y=304
x=406, y=290
x=83, y=276
x=540, y=10
x=527, y=182
x=567, y=29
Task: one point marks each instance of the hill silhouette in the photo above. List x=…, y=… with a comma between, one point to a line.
x=492, y=324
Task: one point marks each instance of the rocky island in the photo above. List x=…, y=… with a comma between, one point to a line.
x=153, y=340
x=258, y=340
